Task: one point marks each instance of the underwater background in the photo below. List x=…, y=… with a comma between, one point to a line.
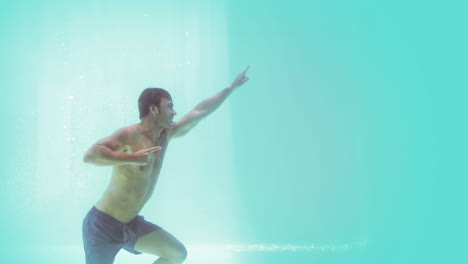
x=347, y=145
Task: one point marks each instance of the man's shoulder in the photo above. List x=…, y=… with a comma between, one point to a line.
x=125, y=133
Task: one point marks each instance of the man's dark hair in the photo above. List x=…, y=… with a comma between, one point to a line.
x=151, y=96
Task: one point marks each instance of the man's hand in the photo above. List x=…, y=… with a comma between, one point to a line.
x=240, y=79
x=142, y=156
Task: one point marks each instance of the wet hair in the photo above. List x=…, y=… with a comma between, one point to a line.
x=151, y=96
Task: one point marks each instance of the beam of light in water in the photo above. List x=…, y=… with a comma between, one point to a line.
x=235, y=248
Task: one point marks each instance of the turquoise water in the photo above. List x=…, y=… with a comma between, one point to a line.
x=347, y=145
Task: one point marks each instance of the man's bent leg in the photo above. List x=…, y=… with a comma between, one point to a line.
x=164, y=245
x=99, y=247
x=104, y=254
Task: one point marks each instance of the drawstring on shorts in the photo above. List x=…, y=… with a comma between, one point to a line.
x=128, y=234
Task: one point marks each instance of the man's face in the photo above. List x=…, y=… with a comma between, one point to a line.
x=166, y=113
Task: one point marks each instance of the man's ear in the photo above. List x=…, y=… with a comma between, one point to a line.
x=154, y=109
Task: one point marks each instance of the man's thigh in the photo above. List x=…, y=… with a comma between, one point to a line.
x=162, y=244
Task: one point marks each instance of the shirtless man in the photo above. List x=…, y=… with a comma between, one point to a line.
x=136, y=153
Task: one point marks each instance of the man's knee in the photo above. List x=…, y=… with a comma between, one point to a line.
x=179, y=255
x=175, y=255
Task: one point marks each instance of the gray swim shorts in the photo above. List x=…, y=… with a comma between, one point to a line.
x=104, y=236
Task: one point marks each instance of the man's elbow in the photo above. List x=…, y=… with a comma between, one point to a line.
x=88, y=157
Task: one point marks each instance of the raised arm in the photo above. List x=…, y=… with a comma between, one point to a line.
x=110, y=151
x=206, y=107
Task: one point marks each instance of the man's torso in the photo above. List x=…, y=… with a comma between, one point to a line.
x=132, y=185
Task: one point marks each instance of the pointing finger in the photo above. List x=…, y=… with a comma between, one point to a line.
x=246, y=69
x=154, y=149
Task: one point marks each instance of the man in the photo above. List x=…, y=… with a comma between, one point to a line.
x=136, y=153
